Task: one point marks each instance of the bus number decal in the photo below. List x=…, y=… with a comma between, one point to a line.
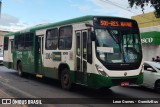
x=48, y=56
x=55, y=56
x=65, y=53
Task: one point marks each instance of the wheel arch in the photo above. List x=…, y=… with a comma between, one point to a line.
x=18, y=61
x=158, y=80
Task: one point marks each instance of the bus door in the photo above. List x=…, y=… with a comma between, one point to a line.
x=81, y=56
x=40, y=56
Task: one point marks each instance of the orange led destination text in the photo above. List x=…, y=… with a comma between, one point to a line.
x=115, y=23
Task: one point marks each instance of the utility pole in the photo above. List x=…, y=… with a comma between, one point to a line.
x=0, y=7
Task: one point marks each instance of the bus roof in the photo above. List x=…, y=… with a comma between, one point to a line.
x=70, y=21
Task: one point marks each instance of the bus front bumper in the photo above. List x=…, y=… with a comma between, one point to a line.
x=99, y=81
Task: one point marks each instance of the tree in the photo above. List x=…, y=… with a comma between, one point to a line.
x=142, y=3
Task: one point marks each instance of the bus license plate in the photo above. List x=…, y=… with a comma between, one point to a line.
x=124, y=83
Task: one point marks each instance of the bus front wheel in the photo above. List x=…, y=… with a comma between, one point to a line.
x=19, y=69
x=65, y=79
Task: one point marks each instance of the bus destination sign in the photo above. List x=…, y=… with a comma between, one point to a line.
x=113, y=23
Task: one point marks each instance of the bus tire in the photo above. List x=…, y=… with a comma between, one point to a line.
x=65, y=79
x=19, y=69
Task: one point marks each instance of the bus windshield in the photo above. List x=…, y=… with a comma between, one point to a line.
x=118, y=45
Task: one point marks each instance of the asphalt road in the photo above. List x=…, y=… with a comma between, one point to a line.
x=32, y=87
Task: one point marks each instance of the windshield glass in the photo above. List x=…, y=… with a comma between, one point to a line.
x=118, y=45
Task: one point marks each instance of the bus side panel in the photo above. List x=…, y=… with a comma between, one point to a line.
x=6, y=62
x=25, y=54
x=27, y=60
x=51, y=72
x=53, y=58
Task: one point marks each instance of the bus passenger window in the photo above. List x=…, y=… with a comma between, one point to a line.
x=29, y=41
x=51, y=39
x=20, y=42
x=6, y=39
x=65, y=41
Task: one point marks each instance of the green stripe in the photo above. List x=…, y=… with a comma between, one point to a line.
x=98, y=81
x=50, y=73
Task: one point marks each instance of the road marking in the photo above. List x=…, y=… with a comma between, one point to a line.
x=3, y=94
x=23, y=92
x=14, y=88
x=5, y=80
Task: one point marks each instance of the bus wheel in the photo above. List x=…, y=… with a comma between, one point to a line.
x=19, y=69
x=157, y=86
x=65, y=79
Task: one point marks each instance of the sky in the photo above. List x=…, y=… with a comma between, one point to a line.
x=20, y=14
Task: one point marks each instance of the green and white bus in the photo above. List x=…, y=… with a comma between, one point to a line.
x=95, y=51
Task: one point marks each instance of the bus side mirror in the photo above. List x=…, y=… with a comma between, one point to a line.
x=93, y=36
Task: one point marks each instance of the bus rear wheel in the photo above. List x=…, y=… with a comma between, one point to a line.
x=19, y=69
x=65, y=79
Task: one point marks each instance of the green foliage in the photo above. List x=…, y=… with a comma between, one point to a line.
x=142, y=3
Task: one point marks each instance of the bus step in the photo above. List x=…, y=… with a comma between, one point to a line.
x=39, y=75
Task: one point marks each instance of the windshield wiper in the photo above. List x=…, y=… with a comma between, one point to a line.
x=112, y=35
x=115, y=38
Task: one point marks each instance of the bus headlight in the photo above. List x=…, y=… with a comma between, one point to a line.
x=100, y=70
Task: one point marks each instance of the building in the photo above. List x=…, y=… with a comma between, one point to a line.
x=150, y=34
x=1, y=39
